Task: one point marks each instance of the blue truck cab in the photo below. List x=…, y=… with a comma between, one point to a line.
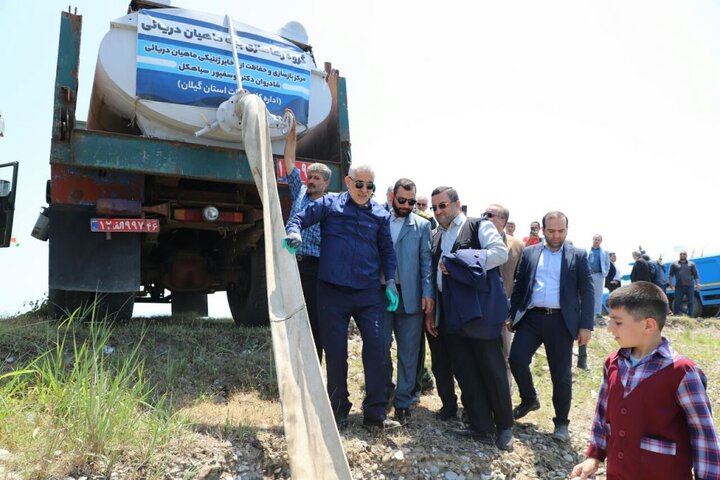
x=707, y=297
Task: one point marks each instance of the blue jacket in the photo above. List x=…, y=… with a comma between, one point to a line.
x=577, y=297
x=473, y=298
x=414, y=259
x=355, y=241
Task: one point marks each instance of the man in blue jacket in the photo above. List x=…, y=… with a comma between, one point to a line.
x=356, y=246
x=471, y=307
x=552, y=304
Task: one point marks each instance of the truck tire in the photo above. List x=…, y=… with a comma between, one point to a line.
x=110, y=307
x=248, y=298
x=189, y=302
x=63, y=303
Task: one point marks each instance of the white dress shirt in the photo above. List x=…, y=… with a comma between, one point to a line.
x=546, y=289
x=488, y=237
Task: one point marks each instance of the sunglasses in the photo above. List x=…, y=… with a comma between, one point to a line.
x=422, y=204
x=359, y=184
x=439, y=206
x=403, y=201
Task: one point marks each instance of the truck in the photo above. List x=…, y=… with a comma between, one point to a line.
x=707, y=296
x=8, y=189
x=134, y=218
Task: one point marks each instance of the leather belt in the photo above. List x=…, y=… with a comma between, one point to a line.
x=306, y=258
x=545, y=311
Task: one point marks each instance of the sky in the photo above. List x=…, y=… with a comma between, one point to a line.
x=608, y=111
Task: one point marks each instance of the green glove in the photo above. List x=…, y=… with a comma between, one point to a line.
x=391, y=292
x=291, y=242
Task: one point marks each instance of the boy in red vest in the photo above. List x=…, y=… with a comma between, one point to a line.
x=653, y=418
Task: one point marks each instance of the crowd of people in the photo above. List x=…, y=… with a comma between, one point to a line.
x=485, y=302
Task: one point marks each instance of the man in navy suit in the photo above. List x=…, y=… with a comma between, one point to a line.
x=552, y=304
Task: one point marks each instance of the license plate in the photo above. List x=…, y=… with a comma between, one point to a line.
x=124, y=225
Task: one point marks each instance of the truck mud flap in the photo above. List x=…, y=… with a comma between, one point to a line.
x=82, y=260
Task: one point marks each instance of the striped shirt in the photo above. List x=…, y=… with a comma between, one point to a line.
x=300, y=199
x=691, y=396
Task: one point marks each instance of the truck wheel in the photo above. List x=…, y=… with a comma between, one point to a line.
x=63, y=303
x=108, y=306
x=189, y=302
x=248, y=298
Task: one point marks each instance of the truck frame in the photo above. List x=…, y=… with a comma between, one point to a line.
x=156, y=191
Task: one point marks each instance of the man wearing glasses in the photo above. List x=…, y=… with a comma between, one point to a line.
x=465, y=338
x=356, y=247
x=308, y=254
x=498, y=216
x=411, y=238
x=421, y=208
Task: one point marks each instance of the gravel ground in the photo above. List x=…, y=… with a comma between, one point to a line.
x=253, y=447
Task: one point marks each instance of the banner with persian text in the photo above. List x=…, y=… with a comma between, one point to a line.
x=190, y=62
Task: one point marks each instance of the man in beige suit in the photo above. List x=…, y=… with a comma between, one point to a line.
x=499, y=215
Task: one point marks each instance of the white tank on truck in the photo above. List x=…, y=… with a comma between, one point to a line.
x=171, y=72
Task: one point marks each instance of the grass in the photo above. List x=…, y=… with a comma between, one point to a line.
x=76, y=408
x=86, y=397
x=70, y=407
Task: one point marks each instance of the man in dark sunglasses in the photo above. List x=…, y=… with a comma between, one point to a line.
x=465, y=335
x=411, y=239
x=308, y=254
x=356, y=247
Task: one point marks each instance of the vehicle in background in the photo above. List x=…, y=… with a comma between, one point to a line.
x=131, y=216
x=707, y=296
x=8, y=185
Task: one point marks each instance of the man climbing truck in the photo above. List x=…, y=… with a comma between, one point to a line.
x=154, y=194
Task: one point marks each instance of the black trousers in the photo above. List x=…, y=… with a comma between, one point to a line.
x=308, y=267
x=537, y=329
x=479, y=365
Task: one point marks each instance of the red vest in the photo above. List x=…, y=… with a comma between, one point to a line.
x=651, y=417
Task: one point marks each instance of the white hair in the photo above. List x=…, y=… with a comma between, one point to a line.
x=361, y=168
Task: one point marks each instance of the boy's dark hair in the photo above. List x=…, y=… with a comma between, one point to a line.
x=641, y=300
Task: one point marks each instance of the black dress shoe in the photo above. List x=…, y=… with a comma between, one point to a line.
x=402, y=415
x=385, y=424
x=446, y=414
x=561, y=433
x=505, y=440
x=582, y=364
x=525, y=407
x=470, y=432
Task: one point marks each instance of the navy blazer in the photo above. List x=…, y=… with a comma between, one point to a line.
x=474, y=301
x=577, y=297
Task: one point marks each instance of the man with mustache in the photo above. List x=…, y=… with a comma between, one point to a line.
x=411, y=238
x=356, y=247
x=308, y=254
